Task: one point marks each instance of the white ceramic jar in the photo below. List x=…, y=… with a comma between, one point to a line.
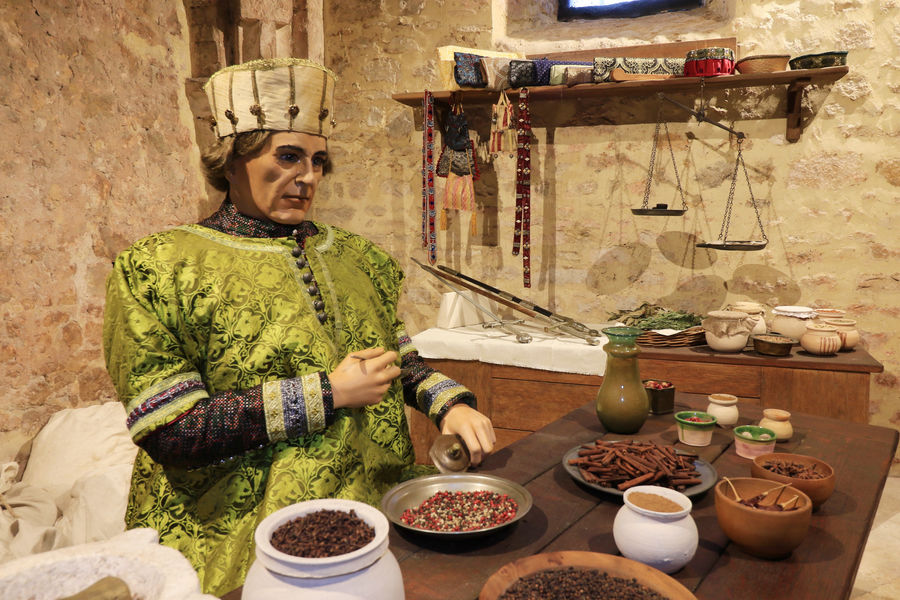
x=756, y=312
x=791, y=320
x=846, y=329
x=664, y=540
x=371, y=572
x=779, y=421
x=822, y=340
x=727, y=330
x=724, y=408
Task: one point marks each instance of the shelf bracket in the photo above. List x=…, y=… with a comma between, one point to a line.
x=794, y=104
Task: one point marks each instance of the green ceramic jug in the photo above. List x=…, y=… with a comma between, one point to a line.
x=622, y=402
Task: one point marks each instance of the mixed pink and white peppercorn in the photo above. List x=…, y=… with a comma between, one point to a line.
x=461, y=511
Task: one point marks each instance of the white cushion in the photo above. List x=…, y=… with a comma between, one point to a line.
x=79, y=442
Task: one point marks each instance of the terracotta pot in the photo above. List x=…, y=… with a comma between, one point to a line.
x=818, y=490
x=822, y=340
x=762, y=533
x=846, y=329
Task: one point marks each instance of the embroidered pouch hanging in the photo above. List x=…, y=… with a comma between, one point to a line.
x=429, y=235
x=459, y=165
x=503, y=126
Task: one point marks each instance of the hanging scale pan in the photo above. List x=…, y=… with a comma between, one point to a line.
x=723, y=243
x=660, y=210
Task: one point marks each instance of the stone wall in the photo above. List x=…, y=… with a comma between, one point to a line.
x=101, y=112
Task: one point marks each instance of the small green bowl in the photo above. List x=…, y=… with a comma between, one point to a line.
x=751, y=441
x=695, y=433
x=709, y=421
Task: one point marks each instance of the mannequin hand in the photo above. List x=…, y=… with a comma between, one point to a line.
x=473, y=427
x=359, y=382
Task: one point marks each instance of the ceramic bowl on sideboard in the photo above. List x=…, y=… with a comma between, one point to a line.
x=819, y=489
x=773, y=345
x=762, y=533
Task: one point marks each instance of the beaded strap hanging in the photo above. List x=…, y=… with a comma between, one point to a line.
x=522, y=232
x=503, y=128
x=429, y=236
x=459, y=165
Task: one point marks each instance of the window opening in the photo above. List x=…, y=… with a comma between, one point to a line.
x=611, y=9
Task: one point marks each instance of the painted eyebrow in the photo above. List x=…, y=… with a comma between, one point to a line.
x=299, y=150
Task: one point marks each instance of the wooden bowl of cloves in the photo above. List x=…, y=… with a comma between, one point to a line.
x=812, y=476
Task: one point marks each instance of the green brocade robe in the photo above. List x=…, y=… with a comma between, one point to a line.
x=195, y=301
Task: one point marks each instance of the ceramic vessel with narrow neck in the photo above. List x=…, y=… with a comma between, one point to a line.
x=778, y=421
x=724, y=408
x=846, y=329
x=819, y=339
x=622, y=403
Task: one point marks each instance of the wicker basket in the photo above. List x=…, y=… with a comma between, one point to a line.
x=692, y=336
x=762, y=63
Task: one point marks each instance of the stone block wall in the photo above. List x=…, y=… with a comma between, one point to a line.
x=103, y=112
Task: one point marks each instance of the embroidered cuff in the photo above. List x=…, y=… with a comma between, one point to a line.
x=162, y=403
x=437, y=393
x=296, y=407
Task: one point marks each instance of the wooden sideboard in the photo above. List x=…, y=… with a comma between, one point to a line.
x=522, y=400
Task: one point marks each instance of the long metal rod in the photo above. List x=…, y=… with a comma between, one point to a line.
x=552, y=325
x=521, y=336
x=700, y=115
x=568, y=321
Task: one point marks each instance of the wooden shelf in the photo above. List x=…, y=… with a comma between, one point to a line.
x=795, y=81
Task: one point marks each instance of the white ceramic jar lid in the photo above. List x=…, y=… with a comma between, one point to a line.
x=800, y=312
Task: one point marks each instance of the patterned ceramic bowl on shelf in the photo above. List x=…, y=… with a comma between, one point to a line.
x=819, y=61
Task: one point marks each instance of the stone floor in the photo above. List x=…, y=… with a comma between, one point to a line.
x=878, y=577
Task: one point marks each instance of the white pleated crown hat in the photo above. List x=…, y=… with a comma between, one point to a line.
x=278, y=94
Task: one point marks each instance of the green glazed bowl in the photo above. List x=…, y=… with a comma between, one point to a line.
x=709, y=421
x=754, y=434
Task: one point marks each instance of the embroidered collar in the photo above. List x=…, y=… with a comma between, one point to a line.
x=228, y=220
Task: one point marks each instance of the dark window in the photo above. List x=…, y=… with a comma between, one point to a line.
x=611, y=9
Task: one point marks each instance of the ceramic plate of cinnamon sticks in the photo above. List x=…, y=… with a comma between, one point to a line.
x=613, y=467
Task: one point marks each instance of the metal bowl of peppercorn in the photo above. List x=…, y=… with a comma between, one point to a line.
x=587, y=574
x=812, y=476
x=456, y=505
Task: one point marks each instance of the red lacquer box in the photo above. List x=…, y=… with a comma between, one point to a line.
x=707, y=62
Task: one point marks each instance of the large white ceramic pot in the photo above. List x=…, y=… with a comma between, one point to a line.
x=727, y=330
x=792, y=320
x=370, y=572
x=665, y=540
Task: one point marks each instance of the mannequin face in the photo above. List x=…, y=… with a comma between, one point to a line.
x=278, y=182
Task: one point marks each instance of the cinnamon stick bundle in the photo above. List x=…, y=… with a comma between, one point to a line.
x=629, y=463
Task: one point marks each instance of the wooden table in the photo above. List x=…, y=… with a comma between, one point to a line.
x=568, y=516
x=831, y=386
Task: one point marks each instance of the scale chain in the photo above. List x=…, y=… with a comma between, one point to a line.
x=674, y=168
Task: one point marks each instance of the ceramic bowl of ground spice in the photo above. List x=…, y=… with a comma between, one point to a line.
x=322, y=538
x=576, y=574
x=812, y=476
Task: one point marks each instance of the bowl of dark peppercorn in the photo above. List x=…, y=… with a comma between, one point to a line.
x=576, y=574
x=812, y=476
x=317, y=539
